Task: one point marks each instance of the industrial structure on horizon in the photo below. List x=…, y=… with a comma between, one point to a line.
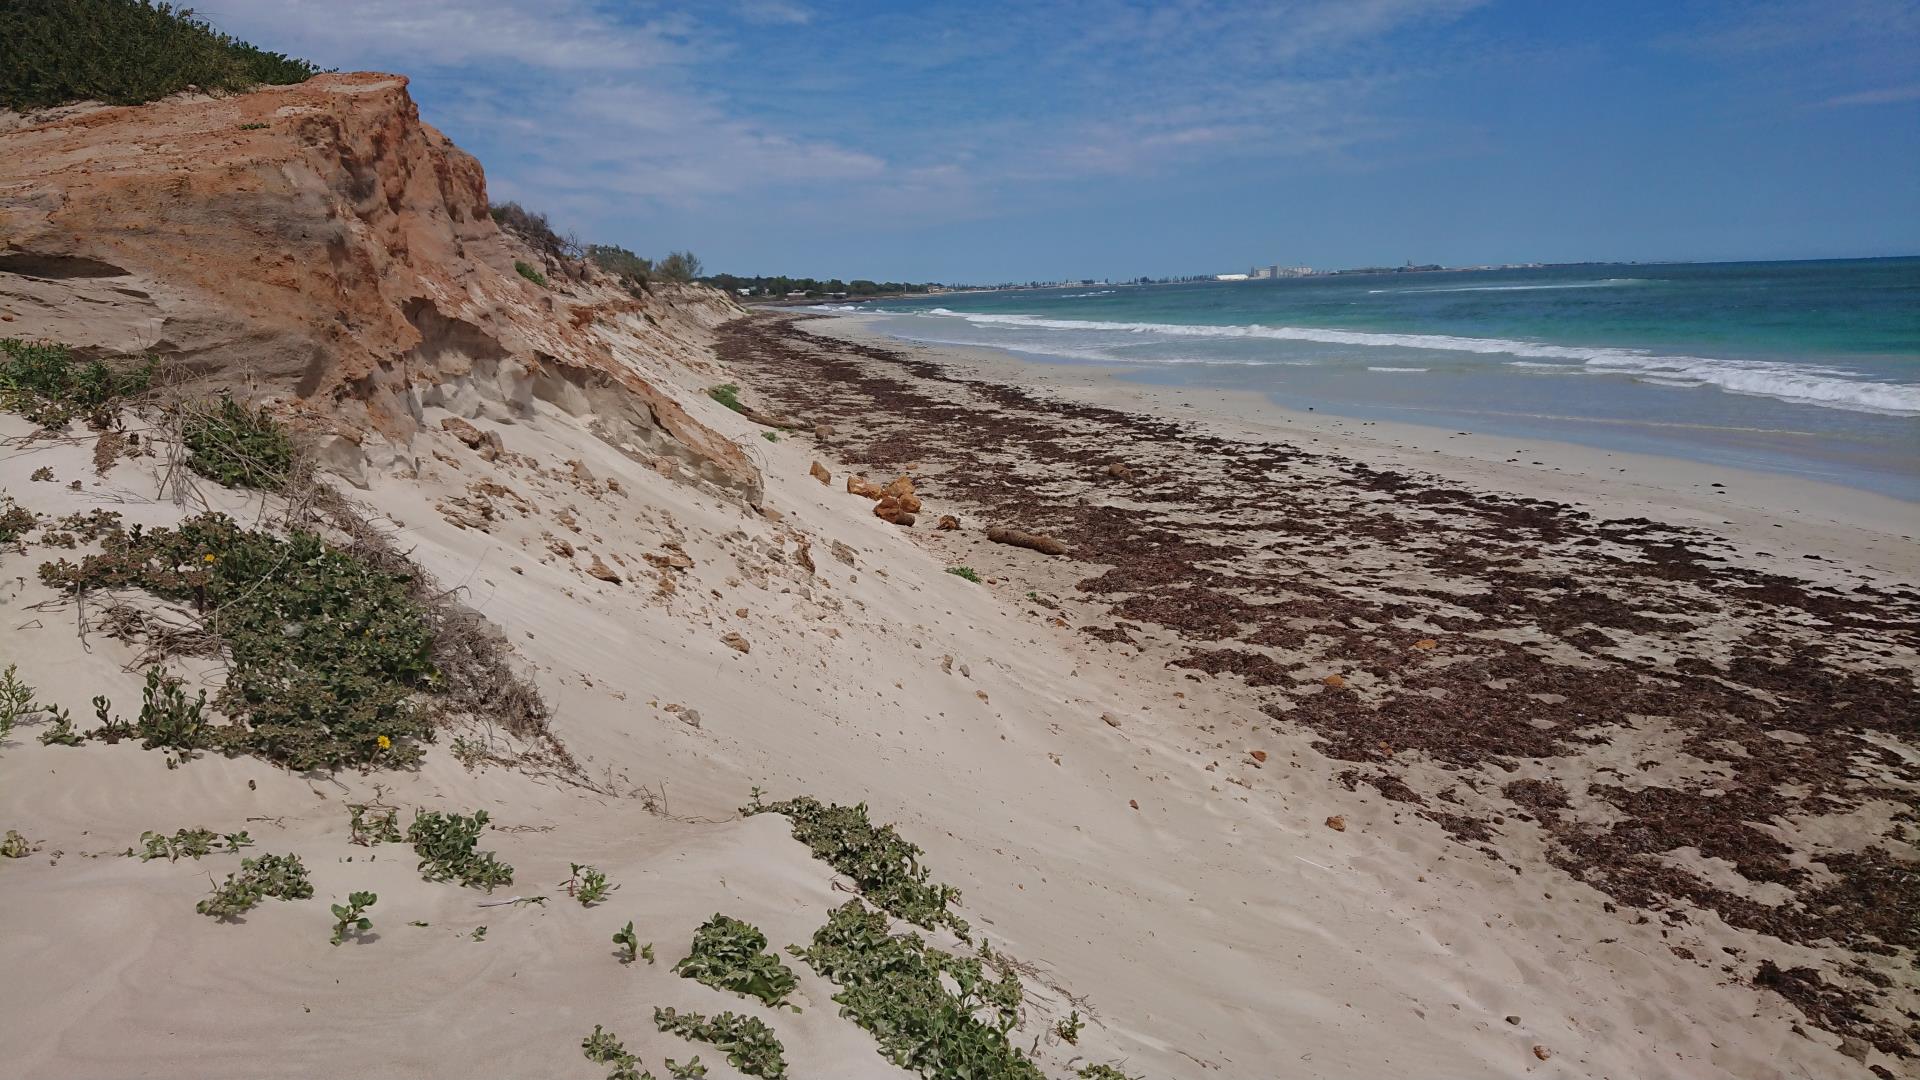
x=1259, y=273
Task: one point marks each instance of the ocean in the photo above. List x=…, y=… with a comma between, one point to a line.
x=1810, y=368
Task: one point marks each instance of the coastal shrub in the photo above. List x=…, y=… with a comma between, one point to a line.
x=967, y=572
x=533, y=228
x=43, y=382
x=325, y=653
x=732, y=955
x=124, y=52
x=1102, y=1072
x=896, y=988
x=883, y=864
x=282, y=877
x=16, y=521
x=680, y=266
x=770, y=436
x=527, y=271
x=238, y=447
x=727, y=394
x=350, y=918
x=631, y=269
x=16, y=700
x=445, y=844
x=749, y=1044
x=689, y=1070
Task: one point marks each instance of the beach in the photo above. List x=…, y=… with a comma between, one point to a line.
x=1580, y=665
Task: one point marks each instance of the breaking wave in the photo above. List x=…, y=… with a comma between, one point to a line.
x=1806, y=384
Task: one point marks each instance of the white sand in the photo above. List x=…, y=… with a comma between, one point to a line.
x=1220, y=930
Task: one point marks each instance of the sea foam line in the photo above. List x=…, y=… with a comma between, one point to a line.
x=1806, y=384
x=1606, y=283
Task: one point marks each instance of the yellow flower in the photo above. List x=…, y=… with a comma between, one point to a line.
x=209, y=558
x=384, y=742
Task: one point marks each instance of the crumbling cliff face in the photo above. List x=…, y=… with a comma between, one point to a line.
x=321, y=245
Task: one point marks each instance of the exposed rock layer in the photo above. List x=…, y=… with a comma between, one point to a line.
x=320, y=243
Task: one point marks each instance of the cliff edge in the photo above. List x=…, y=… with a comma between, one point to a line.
x=320, y=244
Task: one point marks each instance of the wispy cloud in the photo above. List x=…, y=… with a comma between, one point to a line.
x=1890, y=95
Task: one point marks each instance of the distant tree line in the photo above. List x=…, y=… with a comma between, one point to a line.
x=782, y=285
x=124, y=52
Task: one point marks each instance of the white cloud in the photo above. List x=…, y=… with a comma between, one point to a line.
x=1891, y=95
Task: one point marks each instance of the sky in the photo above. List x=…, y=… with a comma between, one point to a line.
x=986, y=142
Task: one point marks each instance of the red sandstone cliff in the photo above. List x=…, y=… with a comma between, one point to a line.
x=320, y=243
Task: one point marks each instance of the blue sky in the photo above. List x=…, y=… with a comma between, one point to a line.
x=981, y=141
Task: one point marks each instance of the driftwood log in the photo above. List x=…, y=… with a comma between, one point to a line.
x=1046, y=545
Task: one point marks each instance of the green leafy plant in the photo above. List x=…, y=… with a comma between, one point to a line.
x=896, y=988
x=15, y=846
x=190, y=843
x=604, y=1048
x=16, y=700
x=16, y=521
x=967, y=572
x=44, y=383
x=325, y=652
x=237, y=446
x=689, y=1070
x=445, y=844
x=770, y=436
x=587, y=885
x=351, y=918
x=1070, y=1027
x=371, y=824
x=283, y=877
x=526, y=270
x=749, y=1044
x=124, y=52
x=629, y=943
x=728, y=395
x=732, y=955
x=61, y=732
x=168, y=720
x=1102, y=1072
x=479, y=933
x=646, y=952
x=252, y=127
x=884, y=865
x=109, y=728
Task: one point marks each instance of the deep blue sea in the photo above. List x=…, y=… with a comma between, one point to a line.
x=1810, y=368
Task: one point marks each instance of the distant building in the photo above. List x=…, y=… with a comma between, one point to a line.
x=796, y=295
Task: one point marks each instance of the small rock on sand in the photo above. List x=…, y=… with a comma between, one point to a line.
x=1337, y=823
x=733, y=640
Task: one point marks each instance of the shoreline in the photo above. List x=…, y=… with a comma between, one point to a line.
x=1647, y=709
x=1764, y=511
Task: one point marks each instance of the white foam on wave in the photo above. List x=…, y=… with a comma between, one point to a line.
x=1084, y=295
x=1606, y=283
x=1396, y=369
x=1803, y=384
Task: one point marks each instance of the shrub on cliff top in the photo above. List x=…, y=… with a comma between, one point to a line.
x=621, y=263
x=124, y=52
x=533, y=227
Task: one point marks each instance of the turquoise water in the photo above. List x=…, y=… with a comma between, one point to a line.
x=1810, y=368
